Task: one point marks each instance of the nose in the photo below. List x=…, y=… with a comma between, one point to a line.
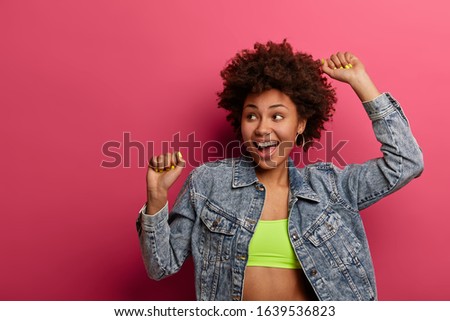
x=263, y=128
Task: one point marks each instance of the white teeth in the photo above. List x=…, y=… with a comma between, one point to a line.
x=266, y=144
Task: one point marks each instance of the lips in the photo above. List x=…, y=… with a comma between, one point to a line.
x=267, y=144
x=265, y=149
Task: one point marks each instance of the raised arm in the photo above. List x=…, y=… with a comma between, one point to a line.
x=402, y=160
x=163, y=171
x=165, y=245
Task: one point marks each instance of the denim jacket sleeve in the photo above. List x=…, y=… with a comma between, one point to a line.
x=364, y=184
x=165, y=241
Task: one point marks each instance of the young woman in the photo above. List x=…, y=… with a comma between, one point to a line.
x=259, y=228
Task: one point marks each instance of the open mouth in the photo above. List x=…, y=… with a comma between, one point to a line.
x=263, y=145
x=266, y=149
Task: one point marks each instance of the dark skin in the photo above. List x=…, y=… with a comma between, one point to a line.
x=280, y=123
x=279, y=283
x=272, y=116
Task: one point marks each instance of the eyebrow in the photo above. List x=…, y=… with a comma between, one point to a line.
x=272, y=106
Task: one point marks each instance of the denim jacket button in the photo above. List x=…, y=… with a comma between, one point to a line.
x=295, y=236
x=333, y=197
x=215, y=223
x=259, y=187
x=313, y=272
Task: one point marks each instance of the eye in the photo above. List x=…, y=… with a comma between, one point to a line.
x=278, y=117
x=250, y=116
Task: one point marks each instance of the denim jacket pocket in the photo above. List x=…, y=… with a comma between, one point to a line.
x=336, y=242
x=217, y=220
x=338, y=246
x=216, y=243
x=217, y=234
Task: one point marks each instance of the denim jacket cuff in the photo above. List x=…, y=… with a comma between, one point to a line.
x=155, y=219
x=381, y=106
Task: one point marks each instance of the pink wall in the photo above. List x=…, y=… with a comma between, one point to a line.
x=77, y=74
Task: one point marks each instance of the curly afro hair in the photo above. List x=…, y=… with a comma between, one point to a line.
x=276, y=66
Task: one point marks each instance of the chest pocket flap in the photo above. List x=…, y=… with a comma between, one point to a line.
x=217, y=220
x=324, y=228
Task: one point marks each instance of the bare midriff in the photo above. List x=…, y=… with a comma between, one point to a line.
x=276, y=284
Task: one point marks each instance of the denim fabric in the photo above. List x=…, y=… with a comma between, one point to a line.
x=220, y=203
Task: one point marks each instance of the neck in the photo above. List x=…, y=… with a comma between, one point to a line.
x=278, y=176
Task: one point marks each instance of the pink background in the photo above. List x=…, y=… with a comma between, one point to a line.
x=77, y=74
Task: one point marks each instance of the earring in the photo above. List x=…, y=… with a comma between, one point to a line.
x=303, y=140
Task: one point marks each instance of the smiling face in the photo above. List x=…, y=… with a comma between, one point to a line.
x=269, y=125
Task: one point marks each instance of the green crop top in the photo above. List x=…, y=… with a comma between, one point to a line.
x=270, y=246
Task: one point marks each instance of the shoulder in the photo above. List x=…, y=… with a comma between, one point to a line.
x=215, y=167
x=212, y=172
x=324, y=172
x=319, y=168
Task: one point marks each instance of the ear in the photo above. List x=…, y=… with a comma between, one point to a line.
x=301, y=125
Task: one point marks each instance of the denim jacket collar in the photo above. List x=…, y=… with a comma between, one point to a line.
x=244, y=175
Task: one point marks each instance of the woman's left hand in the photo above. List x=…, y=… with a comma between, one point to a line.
x=346, y=67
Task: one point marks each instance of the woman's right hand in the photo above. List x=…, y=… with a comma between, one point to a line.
x=163, y=171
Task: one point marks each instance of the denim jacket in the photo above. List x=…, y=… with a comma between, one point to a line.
x=220, y=203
